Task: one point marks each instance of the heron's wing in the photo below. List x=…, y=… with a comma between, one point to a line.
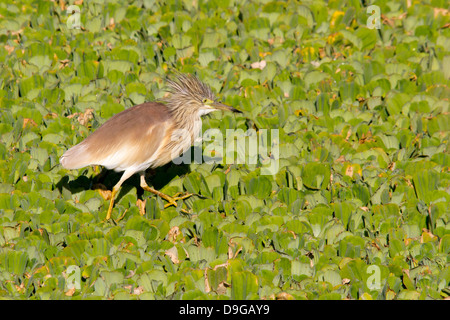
x=131, y=138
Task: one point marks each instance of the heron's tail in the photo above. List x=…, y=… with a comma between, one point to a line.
x=76, y=157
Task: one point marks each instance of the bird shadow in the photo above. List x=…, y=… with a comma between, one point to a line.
x=107, y=179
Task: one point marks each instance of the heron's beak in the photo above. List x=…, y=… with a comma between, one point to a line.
x=221, y=106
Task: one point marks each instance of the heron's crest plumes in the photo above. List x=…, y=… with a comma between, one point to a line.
x=188, y=90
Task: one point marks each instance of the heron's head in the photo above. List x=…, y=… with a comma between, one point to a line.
x=189, y=97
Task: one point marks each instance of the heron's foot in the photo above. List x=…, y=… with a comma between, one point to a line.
x=181, y=195
x=172, y=201
x=105, y=193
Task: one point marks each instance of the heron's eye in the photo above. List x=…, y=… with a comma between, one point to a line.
x=205, y=100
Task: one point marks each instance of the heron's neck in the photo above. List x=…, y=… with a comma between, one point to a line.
x=188, y=120
x=187, y=123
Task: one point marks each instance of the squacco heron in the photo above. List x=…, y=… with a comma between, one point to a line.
x=142, y=136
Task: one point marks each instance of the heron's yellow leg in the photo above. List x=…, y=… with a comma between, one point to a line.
x=114, y=191
x=172, y=201
x=111, y=203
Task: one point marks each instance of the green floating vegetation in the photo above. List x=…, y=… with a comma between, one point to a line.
x=357, y=206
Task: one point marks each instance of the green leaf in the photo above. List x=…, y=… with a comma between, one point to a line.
x=261, y=187
x=368, y=38
x=110, y=109
x=87, y=69
x=15, y=262
x=316, y=175
x=425, y=184
x=300, y=269
x=217, y=277
x=244, y=285
x=214, y=238
x=27, y=86
x=313, y=78
x=352, y=247
x=343, y=212
x=193, y=182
